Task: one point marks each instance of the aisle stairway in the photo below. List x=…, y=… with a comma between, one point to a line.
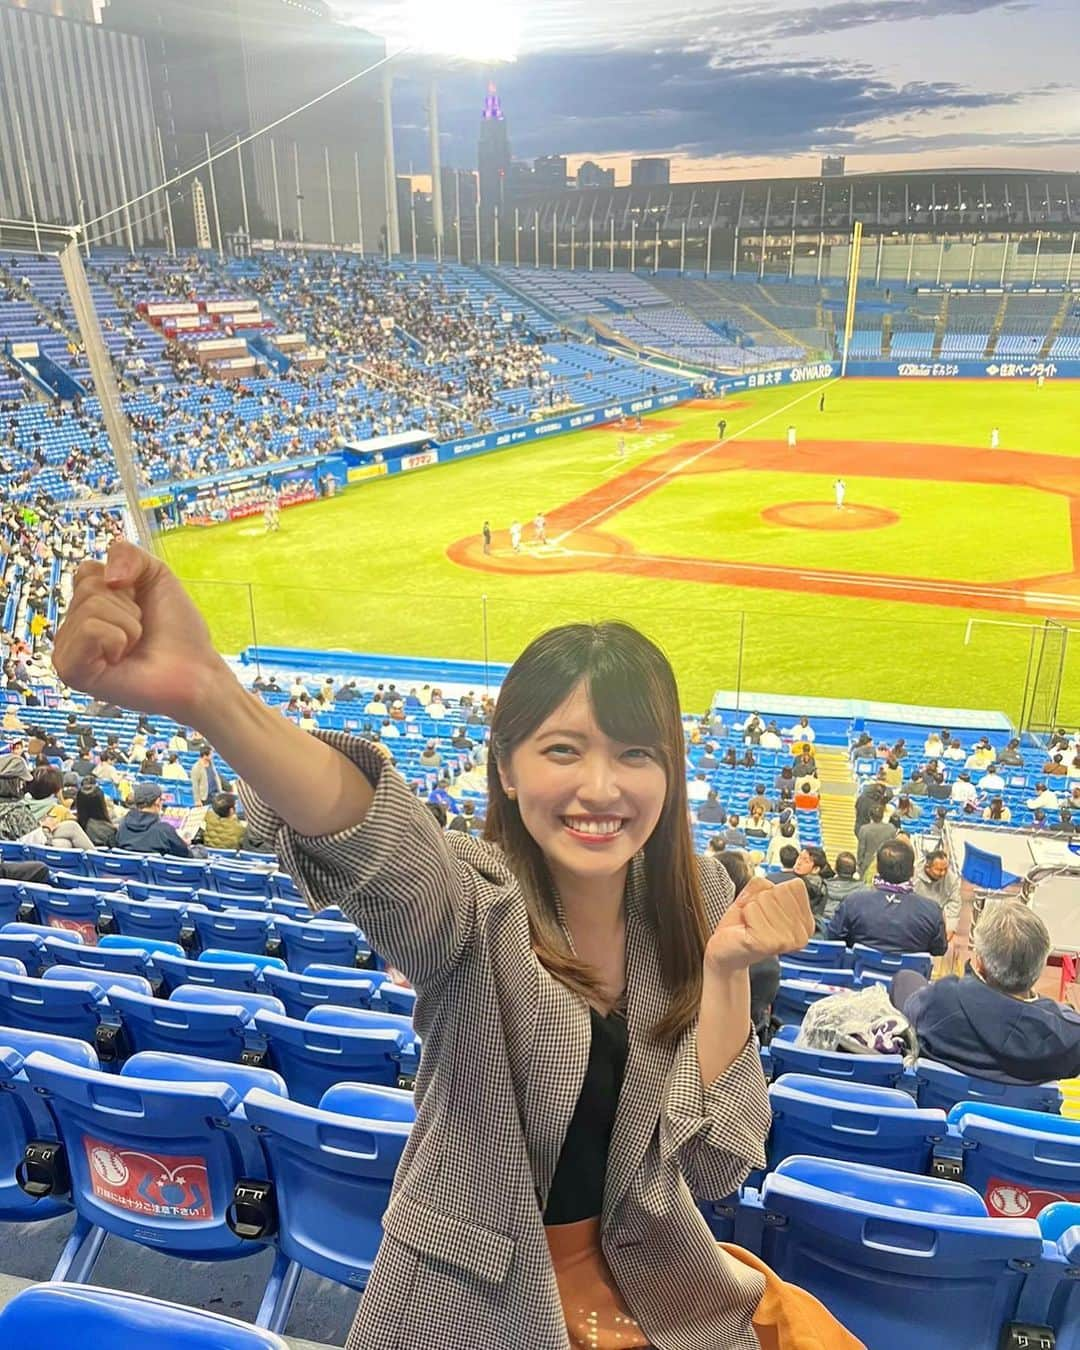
x=838, y=792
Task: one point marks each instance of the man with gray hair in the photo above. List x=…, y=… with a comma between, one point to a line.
x=989, y=1023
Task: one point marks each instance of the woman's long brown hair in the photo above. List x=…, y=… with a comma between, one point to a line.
x=635, y=701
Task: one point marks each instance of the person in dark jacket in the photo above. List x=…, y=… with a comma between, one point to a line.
x=889, y=914
x=143, y=831
x=988, y=1022
x=92, y=813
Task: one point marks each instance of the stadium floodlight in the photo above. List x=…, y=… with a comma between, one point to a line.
x=486, y=31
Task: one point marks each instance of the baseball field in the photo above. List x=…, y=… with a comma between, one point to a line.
x=733, y=554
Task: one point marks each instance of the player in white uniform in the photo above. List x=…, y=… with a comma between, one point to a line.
x=840, y=491
x=515, y=536
x=995, y=438
x=791, y=438
x=540, y=528
x=622, y=447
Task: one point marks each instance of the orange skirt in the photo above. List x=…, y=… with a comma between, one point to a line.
x=787, y=1318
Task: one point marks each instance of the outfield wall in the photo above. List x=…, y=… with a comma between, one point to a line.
x=966, y=370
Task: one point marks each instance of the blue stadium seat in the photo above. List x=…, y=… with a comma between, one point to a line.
x=43, y=931
x=97, y=961
x=176, y=872
x=220, y=901
x=283, y=887
x=57, y=1009
x=66, y=859
x=117, y=864
x=239, y=880
x=144, y=890
x=332, y=1168
x=154, y=1160
x=73, y=911
x=57, y=1316
x=901, y=1260
x=177, y=1026
x=290, y=909
x=176, y=971
x=28, y=949
x=819, y=952
x=852, y=1122
x=106, y=980
x=873, y=959
x=1019, y=1161
x=233, y=931
x=984, y=870
x=939, y=1086
x=839, y=977
x=794, y=997
x=78, y=881
x=353, y=1046
x=317, y=943
x=784, y=1056
x=394, y=998
x=301, y=993
x=25, y=1117
x=157, y=919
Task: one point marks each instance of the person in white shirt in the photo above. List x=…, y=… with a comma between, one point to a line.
x=991, y=781
x=307, y=720
x=770, y=739
x=954, y=750
x=933, y=746
x=179, y=740
x=802, y=731
x=173, y=769
x=697, y=789
x=297, y=688
x=963, y=790
x=327, y=691
x=515, y=536
x=437, y=709
x=388, y=731
x=1044, y=799
x=376, y=708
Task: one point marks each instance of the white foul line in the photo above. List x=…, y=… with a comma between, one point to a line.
x=654, y=483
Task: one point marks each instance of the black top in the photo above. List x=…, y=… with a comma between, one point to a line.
x=577, y=1189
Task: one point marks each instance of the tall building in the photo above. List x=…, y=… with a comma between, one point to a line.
x=493, y=153
x=650, y=172
x=201, y=215
x=233, y=66
x=550, y=173
x=76, y=126
x=591, y=175
x=521, y=179
x=833, y=166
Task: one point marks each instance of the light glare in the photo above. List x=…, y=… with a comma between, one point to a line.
x=471, y=30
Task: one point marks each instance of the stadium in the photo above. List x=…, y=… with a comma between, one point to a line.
x=380, y=982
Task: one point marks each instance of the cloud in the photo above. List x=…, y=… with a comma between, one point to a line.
x=678, y=101
x=790, y=24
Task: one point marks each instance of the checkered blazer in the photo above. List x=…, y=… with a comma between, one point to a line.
x=464, y=1263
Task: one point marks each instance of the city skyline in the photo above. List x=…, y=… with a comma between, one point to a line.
x=728, y=90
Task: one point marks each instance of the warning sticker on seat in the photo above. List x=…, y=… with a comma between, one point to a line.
x=160, y=1186
x=1012, y=1200
x=87, y=930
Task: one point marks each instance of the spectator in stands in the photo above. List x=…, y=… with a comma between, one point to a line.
x=981, y=757
x=756, y=826
x=711, y=811
x=906, y=809
x=802, y=732
x=963, y=790
x=467, y=820
x=1012, y=756
x=933, y=774
x=1065, y=823
x=938, y=880
x=870, y=838
x=786, y=836
x=759, y=799
x=1044, y=799
x=863, y=747
x=178, y=741
x=698, y=789
x=989, y=1022
x=151, y=765
x=841, y=884
x=205, y=780
x=734, y=835
x=997, y=811
x=1055, y=767
x=1038, y=819
x=812, y=865
x=429, y=757
x=934, y=745
x=143, y=831
x=889, y=914
x=45, y=798
x=867, y=799
x=437, y=708
x=785, y=781
x=1074, y=767
x=431, y=905
x=991, y=781
x=771, y=738
x=900, y=750
x=308, y=721
x=222, y=827
x=17, y=820
x=892, y=774
x=174, y=770
x=388, y=730
x=786, y=855
x=807, y=796
x=94, y=814
x=748, y=761
x=708, y=758
x=752, y=729
x=804, y=766
x=954, y=750
x=348, y=693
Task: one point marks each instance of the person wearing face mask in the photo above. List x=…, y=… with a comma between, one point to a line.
x=589, y=1063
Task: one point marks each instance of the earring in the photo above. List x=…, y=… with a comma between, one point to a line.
x=512, y=794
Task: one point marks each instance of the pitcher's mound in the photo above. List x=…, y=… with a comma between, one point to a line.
x=825, y=516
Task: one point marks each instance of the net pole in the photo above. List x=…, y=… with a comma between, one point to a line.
x=853, y=287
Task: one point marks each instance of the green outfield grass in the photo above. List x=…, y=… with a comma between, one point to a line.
x=368, y=570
